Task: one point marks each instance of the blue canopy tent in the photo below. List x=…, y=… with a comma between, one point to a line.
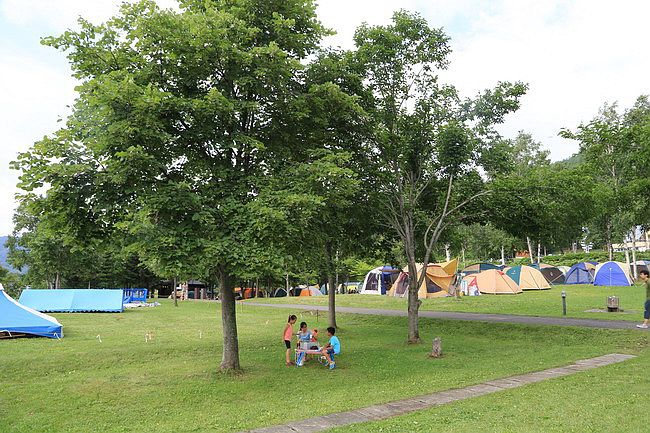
x=18, y=320
x=612, y=274
x=73, y=300
x=580, y=273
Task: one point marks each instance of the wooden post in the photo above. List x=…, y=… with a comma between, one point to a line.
x=436, y=349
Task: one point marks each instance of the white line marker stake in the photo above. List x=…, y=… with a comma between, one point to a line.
x=99, y=338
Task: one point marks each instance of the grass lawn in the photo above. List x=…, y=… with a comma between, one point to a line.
x=170, y=385
x=530, y=303
x=607, y=399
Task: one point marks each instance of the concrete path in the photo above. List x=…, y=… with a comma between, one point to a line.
x=472, y=317
x=402, y=407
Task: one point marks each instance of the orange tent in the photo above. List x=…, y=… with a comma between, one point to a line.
x=493, y=282
x=311, y=291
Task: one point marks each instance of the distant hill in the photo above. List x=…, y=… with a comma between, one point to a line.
x=3, y=254
x=572, y=161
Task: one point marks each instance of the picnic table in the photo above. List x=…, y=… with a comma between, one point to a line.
x=305, y=347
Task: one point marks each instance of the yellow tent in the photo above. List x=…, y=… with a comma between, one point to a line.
x=493, y=282
x=437, y=283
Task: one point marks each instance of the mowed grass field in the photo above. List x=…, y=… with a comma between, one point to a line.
x=124, y=384
x=580, y=298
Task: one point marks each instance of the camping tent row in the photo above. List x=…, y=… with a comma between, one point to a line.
x=603, y=274
x=297, y=291
x=17, y=320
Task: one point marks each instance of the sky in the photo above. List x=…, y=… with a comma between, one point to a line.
x=574, y=55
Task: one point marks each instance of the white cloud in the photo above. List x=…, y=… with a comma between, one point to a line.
x=574, y=54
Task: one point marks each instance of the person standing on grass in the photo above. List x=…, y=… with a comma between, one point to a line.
x=645, y=277
x=287, y=336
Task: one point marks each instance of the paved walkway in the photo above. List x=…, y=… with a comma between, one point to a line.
x=472, y=317
x=402, y=407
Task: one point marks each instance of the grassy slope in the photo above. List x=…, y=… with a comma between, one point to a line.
x=530, y=303
x=124, y=384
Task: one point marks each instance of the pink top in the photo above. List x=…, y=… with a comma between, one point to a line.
x=288, y=332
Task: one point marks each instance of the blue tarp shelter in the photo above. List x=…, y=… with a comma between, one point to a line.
x=73, y=300
x=19, y=320
x=612, y=274
x=580, y=273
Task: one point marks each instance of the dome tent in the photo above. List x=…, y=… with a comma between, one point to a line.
x=553, y=274
x=478, y=268
x=580, y=273
x=528, y=278
x=311, y=291
x=493, y=282
x=612, y=274
x=279, y=293
x=379, y=280
x=437, y=283
x=18, y=320
x=641, y=265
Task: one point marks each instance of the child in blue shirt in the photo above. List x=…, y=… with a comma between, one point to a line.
x=333, y=348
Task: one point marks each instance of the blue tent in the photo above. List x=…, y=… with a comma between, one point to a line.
x=580, y=273
x=18, y=320
x=73, y=300
x=612, y=274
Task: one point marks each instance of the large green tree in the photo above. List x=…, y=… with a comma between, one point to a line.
x=168, y=140
x=426, y=137
x=615, y=147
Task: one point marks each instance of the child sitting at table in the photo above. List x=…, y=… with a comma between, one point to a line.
x=332, y=348
x=314, y=339
x=304, y=337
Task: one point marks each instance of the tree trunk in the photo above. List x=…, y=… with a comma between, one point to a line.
x=609, y=241
x=331, y=289
x=174, y=297
x=230, y=357
x=634, y=268
x=331, y=298
x=530, y=250
x=413, y=305
x=503, y=255
x=463, y=254
x=57, y=281
x=447, y=252
x=539, y=252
